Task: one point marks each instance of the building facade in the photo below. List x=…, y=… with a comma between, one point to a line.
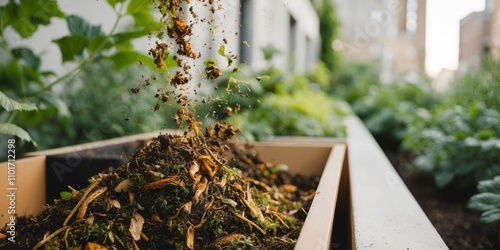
x=474, y=42
x=391, y=32
x=479, y=37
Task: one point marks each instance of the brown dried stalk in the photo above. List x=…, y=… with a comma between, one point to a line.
x=249, y=222
x=163, y=183
x=85, y=204
x=89, y=189
x=48, y=238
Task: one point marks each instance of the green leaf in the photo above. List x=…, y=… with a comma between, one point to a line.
x=66, y=195
x=25, y=16
x=41, y=11
x=114, y=2
x=484, y=202
x=443, y=178
x=61, y=107
x=8, y=14
x=221, y=50
x=78, y=25
x=10, y=105
x=71, y=46
x=145, y=18
x=490, y=216
x=123, y=59
x=24, y=27
x=141, y=12
x=100, y=42
x=28, y=56
x=485, y=134
x=136, y=6
x=209, y=62
x=492, y=186
x=11, y=129
x=127, y=36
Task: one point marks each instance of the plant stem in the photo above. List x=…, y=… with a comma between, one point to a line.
x=82, y=64
x=12, y=116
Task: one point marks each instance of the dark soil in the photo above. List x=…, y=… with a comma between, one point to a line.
x=179, y=192
x=446, y=209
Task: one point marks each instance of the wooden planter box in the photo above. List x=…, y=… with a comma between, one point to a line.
x=42, y=175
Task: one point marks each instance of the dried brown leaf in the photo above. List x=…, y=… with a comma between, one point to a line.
x=200, y=188
x=86, y=202
x=122, y=186
x=89, y=221
x=163, y=183
x=223, y=182
x=156, y=174
x=206, y=162
x=156, y=218
x=289, y=188
x=190, y=237
x=254, y=209
x=115, y=204
x=193, y=169
x=131, y=196
x=187, y=207
x=136, y=224
x=259, y=183
x=228, y=239
x=94, y=246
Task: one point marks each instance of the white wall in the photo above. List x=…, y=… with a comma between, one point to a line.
x=269, y=23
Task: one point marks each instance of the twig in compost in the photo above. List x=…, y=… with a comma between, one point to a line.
x=249, y=221
x=85, y=204
x=67, y=232
x=92, y=186
x=54, y=234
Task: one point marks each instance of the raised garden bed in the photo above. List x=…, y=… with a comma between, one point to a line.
x=41, y=175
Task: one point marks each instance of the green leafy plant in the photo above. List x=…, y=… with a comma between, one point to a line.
x=481, y=84
x=329, y=26
x=10, y=106
x=487, y=201
x=456, y=145
x=388, y=109
x=120, y=111
x=20, y=71
x=276, y=102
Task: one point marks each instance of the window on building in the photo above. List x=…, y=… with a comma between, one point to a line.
x=245, y=31
x=411, y=16
x=293, y=39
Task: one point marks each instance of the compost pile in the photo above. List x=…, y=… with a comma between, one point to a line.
x=179, y=192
